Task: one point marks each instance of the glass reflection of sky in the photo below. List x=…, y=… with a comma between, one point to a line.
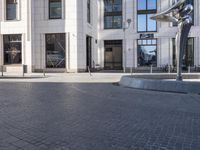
x=146, y=4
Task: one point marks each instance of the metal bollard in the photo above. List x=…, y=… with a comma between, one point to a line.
x=23, y=70
x=151, y=69
x=131, y=70
x=2, y=70
x=169, y=68
x=44, y=73
x=189, y=69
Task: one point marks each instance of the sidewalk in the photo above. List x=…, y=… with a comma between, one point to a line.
x=72, y=77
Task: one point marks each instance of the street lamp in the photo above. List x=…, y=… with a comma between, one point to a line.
x=128, y=21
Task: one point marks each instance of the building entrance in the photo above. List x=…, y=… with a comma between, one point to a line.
x=113, y=55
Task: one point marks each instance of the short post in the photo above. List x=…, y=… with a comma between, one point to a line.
x=131, y=70
x=23, y=69
x=89, y=71
x=2, y=70
x=169, y=69
x=44, y=73
x=151, y=69
x=189, y=69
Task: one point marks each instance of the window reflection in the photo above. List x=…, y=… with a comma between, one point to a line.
x=55, y=50
x=188, y=56
x=11, y=9
x=146, y=8
x=55, y=9
x=112, y=14
x=147, y=52
x=12, y=49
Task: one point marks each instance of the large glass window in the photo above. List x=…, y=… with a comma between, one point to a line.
x=145, y=9
x=88, y=11
x=188, y=56
x=55, y=50
x=12, y=49
x=112, y=14
x=147, y=52
x=55, y=9
x=11, y=9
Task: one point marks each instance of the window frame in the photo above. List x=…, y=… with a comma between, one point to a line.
x=113, y=14
x=146, y=12
x=152, y=39
x=89, y=17
x=49, y=8
x=16, y=11
x=174, y=51
x=21, y=46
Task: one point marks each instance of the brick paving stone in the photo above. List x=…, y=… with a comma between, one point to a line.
x=88, y=116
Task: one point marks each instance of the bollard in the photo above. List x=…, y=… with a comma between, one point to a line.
x=151, y=69
x=44, y=74
x=131, y=70
x=169, y=69
x=23, y=69
x=189, y=69
x=2, y=70
x=89, y=71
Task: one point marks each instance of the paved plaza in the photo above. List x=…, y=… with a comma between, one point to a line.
x=95, y=116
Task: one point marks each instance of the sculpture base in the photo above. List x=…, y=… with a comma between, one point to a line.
x=158, y=84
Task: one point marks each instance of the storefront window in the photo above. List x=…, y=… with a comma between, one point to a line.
x=12, y=49
x=188, y=56
x=147, y=52
x=55, y=50
x=146, y=8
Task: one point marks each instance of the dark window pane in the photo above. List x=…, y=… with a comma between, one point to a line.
x=142, y=23
x=188, y=56
x=12, y=49
x=117, y=22
x=147, y=53
x=55, y=9
x=88, y=11
x=55, y=50
x=11, y=10
x=142, y=4
x=112, y=14
x=108, y=22
x=117, y=5
x=108, y=5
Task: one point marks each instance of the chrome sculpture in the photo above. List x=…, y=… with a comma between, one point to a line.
x=181, y=12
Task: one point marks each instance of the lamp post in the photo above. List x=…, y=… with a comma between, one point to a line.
x=125, y=27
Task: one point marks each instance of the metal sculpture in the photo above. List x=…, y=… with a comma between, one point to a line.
x=182, y=14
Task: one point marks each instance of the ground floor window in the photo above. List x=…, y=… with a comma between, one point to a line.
x=12, y=49
x=55, y=50
x=147, y=52
x=188, y=56
x=113, y=55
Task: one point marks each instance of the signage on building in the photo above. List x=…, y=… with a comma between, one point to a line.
x=146, y=36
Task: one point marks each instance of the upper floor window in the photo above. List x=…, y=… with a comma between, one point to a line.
x=89, y=11
x=112, y=14
x=145, y=9
x=11, y=9
x=55, y=9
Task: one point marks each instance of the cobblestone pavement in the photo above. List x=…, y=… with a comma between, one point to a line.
x=81, y=116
